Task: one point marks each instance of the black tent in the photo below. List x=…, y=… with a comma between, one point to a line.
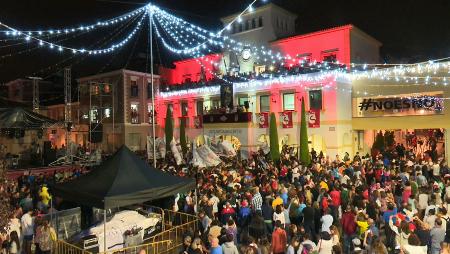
x=122, y=180
x=21, y=118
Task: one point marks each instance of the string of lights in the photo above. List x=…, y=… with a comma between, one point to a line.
x=61, y=48
x=68, y=30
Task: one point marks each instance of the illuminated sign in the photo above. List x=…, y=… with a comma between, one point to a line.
x=417, y=104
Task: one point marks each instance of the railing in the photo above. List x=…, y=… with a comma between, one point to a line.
x=237, y=117
x=61, y=247
x=150, y=248
x=176, y=224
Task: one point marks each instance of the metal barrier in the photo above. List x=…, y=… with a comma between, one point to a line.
x=177, y=224
x=61, y=247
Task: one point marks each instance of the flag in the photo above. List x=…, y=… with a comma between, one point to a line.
x=286, y=119
x=263, y=119
x=314, y=118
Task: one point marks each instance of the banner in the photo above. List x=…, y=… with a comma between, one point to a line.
x=263, y=119
x=198, y=122
x=314, y=118
x=286, y=119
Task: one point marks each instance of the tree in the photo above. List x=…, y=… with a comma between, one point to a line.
x=6, y=210
x=273, y=132
x=304, y=151
x=378, y=144
x=168, y=128
x=183, y=142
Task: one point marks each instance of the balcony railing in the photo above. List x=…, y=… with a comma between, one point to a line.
x=237, y=117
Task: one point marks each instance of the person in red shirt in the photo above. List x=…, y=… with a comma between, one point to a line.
x=335, y=196
x=227, y=213
x=348, y=227
x=279, y=239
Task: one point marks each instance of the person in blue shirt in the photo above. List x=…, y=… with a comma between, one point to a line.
x=215, y=247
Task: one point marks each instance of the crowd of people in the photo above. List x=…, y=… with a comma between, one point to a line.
x=388, y=203
x=392, y=202
x=29, y=200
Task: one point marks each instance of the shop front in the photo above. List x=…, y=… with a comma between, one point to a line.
x=412, y=117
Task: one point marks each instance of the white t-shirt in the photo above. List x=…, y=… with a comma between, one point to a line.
x=27, y=224
x=325, y=246
x=436, y=169
x=327, y=221
x=280, y=217
x=215, y=200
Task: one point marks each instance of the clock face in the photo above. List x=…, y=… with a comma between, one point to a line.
x=246, y=54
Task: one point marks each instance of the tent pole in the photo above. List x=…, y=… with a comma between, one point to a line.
x=104, y=229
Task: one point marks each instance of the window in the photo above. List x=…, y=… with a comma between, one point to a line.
x=330, y=58
x=329, y=55
x=243, y=100
x=94, y=115
x=106, y=88
x=134, y=89
x=264, y=103
x=315, y=99
x=149, y=112
x=149, y=90
x=240, y=27
x=235, y=28
x=184, y=109
x=253, y=23
x=247, y=25
x=95, y=90
x=199, y=108
x=134, y=113
x=288, y=101
x=107, y=112
x=260, y=22
x=215, y=104
x=304, y=58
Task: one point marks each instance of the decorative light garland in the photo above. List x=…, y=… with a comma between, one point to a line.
x=61, y=48
x=67, y=30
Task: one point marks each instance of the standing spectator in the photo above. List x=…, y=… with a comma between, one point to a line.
x=325, y=245
x=348, y=228
x=215, y=247
x=45, y=236
x=14, y=243
x=257, y=200
x=279, y=239
x=327, y=221
x=229, y=247
x=27, y=224
x=437, y=234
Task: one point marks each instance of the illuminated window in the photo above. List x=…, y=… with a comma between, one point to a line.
x=243, y=101
x=264, y=103
x=134, y=113
x=107, y=112
x=215, y=104
x=315, y=99
x=134, y=89
x=106, y=88
x=288, y=101
x=149, y=113
x=95, y=90
x=94, y=115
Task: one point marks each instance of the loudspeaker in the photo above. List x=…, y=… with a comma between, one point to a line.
x=96, y=133
x=48, y=154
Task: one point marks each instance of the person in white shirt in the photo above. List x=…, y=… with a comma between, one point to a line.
x=27, y=223
x=327, y=221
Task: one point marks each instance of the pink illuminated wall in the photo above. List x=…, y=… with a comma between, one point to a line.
x=190, y=68
x=318, y=44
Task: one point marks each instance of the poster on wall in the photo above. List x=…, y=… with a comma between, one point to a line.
x=198, y=122
x=314, y=118
x=286, y=119
x=226, y=96
x=263, y=119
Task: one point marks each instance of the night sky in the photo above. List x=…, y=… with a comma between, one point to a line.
x=410, y=31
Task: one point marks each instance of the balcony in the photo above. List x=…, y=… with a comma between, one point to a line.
x=236, y=117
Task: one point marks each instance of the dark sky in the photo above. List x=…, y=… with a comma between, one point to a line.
x=410, y=31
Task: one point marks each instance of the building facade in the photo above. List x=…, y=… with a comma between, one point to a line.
x=191, y=93
x=115, y=109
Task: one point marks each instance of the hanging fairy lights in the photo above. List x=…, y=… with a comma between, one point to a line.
x=60, y=48
x=90, y=27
